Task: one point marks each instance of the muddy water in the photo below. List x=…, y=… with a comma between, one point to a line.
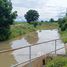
x=22, y=55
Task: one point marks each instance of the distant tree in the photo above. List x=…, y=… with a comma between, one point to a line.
x=6, y=18
x=51, y=20
x=42, y=21
x=46, y=21
x=31, y=16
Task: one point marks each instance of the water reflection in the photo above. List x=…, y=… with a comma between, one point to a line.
x=32, y=38
x=22, y=55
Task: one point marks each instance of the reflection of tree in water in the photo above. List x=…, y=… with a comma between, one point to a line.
x=32, y=38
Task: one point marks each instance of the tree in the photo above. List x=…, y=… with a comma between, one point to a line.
x=6, y=18
x=31, y=16
x=51, y=20
x=62, y=23
x=42, y=21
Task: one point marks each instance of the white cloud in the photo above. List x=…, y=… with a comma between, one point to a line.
x=42, y=6
x=58, y=3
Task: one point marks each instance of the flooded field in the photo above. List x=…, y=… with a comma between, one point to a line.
x=22, y=55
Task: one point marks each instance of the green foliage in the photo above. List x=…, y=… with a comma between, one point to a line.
x=4, y=34
x=62, y=23
x=42, y=21
x=31, y=15
x=34, y=24
x=6, y=18
x=51, y=20
x=63, y=35
x=21, y=29
x=58, y=62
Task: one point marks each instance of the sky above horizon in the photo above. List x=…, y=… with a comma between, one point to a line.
x=46, y=8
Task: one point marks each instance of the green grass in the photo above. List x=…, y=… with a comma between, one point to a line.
x=23, y=28
x=47, y=26
x=58, y=62
x=63, y=35
x=20, y=29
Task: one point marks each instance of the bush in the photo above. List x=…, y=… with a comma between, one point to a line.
x=62, y=23
x=34, y=24
x=63, y=28
x=4, y=34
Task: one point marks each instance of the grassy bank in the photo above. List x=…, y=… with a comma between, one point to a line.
x=23, y=28
x=63, y=35
x=58, y=62
x=20, y=29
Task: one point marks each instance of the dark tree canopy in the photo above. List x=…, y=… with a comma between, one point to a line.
x=31, y=15
x=51, y=20
x=63, y=23
x=6, y=18
x=6, y=15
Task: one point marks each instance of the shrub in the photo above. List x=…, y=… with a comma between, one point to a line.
x=58, y=62
x=4, y=33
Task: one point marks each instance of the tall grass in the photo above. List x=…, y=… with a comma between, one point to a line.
x=20, y=29
x=63, y=35
x=58, y=62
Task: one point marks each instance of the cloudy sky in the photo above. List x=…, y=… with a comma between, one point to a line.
x=47, y=8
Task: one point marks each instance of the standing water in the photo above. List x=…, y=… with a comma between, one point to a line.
x=22, y=55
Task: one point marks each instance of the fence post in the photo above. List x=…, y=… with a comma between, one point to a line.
x=55, y=47
x=30, y=63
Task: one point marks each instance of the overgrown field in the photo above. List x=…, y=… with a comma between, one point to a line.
x=23, y=28
x=63, y=35
x=20, y=29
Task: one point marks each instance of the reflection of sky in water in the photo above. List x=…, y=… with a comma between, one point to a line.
x=45, y=35
x=19, y=43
